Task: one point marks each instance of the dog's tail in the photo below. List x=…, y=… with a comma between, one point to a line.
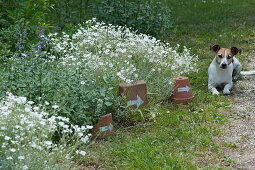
x=247, y=73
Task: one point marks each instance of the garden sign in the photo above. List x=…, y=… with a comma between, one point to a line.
x=135, y=93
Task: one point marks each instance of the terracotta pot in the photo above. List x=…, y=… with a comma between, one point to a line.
x=135, y=92
x=182, y=92
x=104, y=127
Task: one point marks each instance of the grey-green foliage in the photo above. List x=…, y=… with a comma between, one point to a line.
x=41, y=80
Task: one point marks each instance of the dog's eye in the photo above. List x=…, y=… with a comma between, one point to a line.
x=220, y=56
x=229, y=56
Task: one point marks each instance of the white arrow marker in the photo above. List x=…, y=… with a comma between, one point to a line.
x=110, y=127
x=182, y=89
x=137, y=102
x=106, y=128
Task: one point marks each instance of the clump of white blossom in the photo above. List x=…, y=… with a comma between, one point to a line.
x=26, y=133
x=107, y=49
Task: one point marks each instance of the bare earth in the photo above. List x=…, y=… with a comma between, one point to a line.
x=240, y=132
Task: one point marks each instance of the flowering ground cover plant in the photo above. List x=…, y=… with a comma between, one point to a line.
x=26, y=137
x=117, y=51
x=81, y=71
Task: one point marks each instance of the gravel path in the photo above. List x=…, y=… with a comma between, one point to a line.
x=240, y=132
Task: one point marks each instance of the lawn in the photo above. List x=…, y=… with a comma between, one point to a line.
x=70, y=78
x=183, y=137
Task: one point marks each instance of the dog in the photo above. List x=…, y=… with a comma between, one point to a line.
x=223, y=69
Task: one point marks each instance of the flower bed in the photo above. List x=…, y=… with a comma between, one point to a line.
x=81, y=71
x=114, y=50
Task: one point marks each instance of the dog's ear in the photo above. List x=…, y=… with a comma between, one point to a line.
x=215, y=48
x=235, y=50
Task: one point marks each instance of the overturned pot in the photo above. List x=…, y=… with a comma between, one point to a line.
x=104, y=127
x=182, y=92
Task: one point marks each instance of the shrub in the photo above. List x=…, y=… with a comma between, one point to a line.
x=26, y=137
x=145, y=16
x=20, y=21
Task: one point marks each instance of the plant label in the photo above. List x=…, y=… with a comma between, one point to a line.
x=184, y=89
x=104, y=127
x=135, y=93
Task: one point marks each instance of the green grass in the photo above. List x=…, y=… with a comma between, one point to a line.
x=183, y=136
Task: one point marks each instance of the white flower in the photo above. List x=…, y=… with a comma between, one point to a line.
x=21, y=157
x=67, y=156
x=81, y=152
x=30, y=102
x=82, y=82
x=13, y=150
x=61, y=124
x=3, y=128
x=27, y=109
x=48, y=143
x=7, y=138
x=46, y=103
x=21, y=100
x=119, y=74
x=89, y=127
x=153, y=115
x=25, y=167
x=55, y=106
x=85, y=139
x=36, y=108
x=9, y=158
x=80, y=134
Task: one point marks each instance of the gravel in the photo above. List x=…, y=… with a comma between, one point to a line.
x=240, y=132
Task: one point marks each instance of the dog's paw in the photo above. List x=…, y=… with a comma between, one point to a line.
x=215, y=93
x=235, y=78
x=226, y=91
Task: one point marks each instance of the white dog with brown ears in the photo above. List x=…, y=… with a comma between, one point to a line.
x=224, y=69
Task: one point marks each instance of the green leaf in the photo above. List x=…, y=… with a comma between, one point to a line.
x=108, y=103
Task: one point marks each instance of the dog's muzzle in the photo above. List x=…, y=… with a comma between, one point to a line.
x=223, y=66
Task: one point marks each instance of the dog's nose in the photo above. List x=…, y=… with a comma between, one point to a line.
x=223, y=65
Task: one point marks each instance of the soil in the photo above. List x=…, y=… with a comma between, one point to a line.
x=239, y=136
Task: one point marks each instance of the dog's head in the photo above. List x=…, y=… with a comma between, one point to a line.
x=224, y=56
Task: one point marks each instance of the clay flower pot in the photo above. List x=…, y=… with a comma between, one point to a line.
x=182, y=92
x=104, y=127
x=135, y=92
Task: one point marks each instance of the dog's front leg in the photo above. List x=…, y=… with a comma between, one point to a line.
x=213, y=89
x=227, y=88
